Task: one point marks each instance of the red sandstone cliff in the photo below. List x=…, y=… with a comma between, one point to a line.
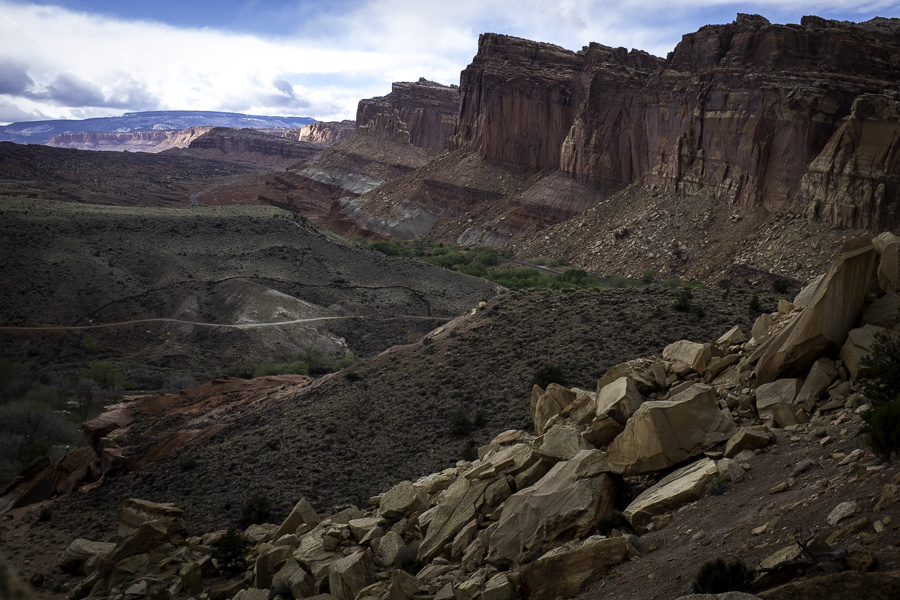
x=786, y=117
x=423, y=114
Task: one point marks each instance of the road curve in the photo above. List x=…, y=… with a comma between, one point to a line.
x=199, y=324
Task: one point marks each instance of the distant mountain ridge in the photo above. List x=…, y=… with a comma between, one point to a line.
x=40, y=132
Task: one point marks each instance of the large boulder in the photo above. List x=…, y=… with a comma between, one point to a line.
x=691, y=353
x=674, y=490
x=619, y=399
x=80, y=551
x=782, y=391
x=565, y=571
x=883, y=312
x=458, y=506
x=821, y=375
x=349, y=575
x=858, y=346
x=823, y=325
x=664, y=433
x=136, y=512
x=568, y=499
x=402, y=500
x=888, y=247
x=554, y=399
x=561, y=442
x=302, y=514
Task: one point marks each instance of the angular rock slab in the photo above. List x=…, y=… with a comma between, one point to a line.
x=888, y=247
x=619, y=400
x=137, y=512
x=459, y=505
x=569, y=498
x=691, y=353
x=664, y=433
x=564, y=572
x=823, y=325
x=676, y=489
x=349, y=575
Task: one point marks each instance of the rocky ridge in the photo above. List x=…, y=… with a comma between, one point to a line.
x=521, y=517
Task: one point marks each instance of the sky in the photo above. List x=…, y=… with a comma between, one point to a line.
x=75, y=59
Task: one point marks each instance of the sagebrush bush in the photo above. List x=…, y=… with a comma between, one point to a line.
x=545, y=375
x=683, y=300
x=781, y=286
x=256, y=509
x=469, y=452
x=754, y=304
x=459, y=421
x=717, y=577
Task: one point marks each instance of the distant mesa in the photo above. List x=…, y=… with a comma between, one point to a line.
x=41, y=132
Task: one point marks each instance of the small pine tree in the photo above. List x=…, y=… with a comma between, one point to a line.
x=231, y=553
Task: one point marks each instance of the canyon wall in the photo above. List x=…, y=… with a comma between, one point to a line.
x=247, y=144
x=423, y=113
x=802, y=118
x=326, y=133
x=132, y=141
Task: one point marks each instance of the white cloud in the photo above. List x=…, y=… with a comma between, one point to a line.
x=62, y=64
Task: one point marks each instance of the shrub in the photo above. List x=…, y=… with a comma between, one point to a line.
x=469, y=452
x=649, y=276
x=612, y=520
x=672, y=282
x=717, y=485
x=547, y=374
x=480, y=418
x=617, y=281
x=754, y=305
x=683, y=300
x=256, y=509
x=231, y=553
x=45, y=515
x=352, y=376
x=884, y=370
x=186, y=463
x=883, y=428
x=781, y=286
x=700, y=312
x=459, y=421
x=717, y=577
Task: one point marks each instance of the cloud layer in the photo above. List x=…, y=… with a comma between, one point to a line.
x=317, y=59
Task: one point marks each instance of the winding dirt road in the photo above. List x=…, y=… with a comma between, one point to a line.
x=200, y=324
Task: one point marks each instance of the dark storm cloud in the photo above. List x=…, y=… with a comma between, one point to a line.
x=14, y=79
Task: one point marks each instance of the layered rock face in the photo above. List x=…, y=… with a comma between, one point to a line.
x=785, y=117
x=237, y=143
x=423, y=113
x=132, y=141
x=322, y=133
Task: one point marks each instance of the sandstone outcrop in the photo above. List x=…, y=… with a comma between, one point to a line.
x=663, y=433
x=132, y=141
x=823, y=325
x=422, y=113
x=249, y=144
x=326, y=134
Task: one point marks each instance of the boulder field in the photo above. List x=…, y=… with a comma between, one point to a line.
x=522, y=518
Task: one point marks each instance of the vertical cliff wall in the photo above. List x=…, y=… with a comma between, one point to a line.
x=423, y=113
x=786, y=117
